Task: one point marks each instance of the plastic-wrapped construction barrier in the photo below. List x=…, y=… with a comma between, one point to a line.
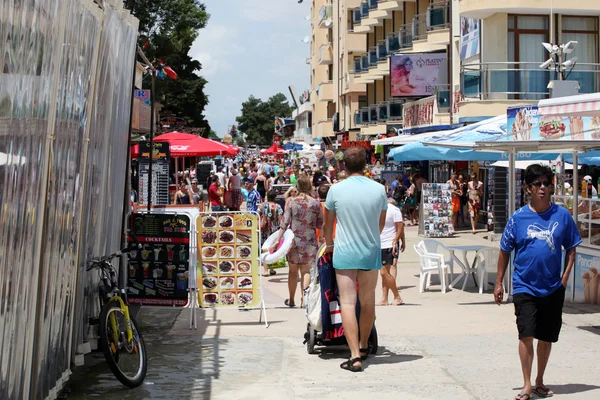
x=65, y=92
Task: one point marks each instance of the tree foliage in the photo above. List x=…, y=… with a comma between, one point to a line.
x=257, y=118
x=168, y=29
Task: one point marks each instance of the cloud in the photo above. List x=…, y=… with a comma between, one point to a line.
x=214, y=48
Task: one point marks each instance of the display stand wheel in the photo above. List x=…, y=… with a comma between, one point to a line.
x=311, y=340
x=373, y=341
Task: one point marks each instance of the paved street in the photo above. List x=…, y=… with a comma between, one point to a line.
x=458, y=345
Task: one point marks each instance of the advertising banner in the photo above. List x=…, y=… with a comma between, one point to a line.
x=158, y=273
x=415, y=75
x=525, y=123
x=585, y=278
x=160, y=173
x=470, y=42
x=229, y=246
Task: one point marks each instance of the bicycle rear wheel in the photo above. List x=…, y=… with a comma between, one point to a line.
x=128, y=362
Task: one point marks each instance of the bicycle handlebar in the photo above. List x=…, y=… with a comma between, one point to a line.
x=136, y=246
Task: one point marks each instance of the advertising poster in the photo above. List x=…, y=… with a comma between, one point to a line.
x=586, y=280
x=415, y=75
x=437, y=210
x=525, y=123
x=470, y=42
x=228, y=249
x=158, y=273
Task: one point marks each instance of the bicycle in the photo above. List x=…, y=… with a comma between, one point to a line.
x=119, y=334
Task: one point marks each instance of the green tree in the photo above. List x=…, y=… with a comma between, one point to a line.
x=213, y=135
x=258, y=117
x=168, y=29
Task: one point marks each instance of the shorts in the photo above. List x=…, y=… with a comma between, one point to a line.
x=540, y=317
x=455, y=204
x=387, y=256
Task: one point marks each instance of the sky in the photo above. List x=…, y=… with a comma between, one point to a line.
x=251, y=47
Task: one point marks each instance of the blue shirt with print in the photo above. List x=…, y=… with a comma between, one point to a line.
x=253, y=201
x=538, y=240
x=267, y=168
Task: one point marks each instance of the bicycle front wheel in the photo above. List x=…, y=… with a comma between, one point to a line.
x=127, y=361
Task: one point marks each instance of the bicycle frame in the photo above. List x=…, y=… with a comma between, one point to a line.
x=113, y=320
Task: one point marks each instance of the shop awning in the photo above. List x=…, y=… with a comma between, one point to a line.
x=580, y=105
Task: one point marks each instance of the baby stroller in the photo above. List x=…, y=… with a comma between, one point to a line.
x=324, y=327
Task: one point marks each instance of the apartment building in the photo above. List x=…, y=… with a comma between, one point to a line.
x=426, y=65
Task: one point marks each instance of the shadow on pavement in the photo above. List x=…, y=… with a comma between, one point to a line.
x=579, y=308
x=180, y=366
x=571, y=388
x=591, y=329
x=383, y=356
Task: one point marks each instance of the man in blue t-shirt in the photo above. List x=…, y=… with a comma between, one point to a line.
x=537, y=233
x=254, y=198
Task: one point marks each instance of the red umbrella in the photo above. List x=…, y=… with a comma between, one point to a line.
x=188, y=145
x=275, y=149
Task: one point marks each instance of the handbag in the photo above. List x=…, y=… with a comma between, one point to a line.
x=411, y=201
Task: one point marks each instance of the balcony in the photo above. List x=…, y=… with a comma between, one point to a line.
x=373, y=4
x=395, y=111
x=325, y=54
x=391, y=5
x=509, y=83
x=364, y=116
x=392, y=43
x=325, y=128
x=373, y=57
x=382, y=52
x=355, y=43
x=325, y=14
x=419, y=27
x=357, y=118
x=442, y=95
x=481, y=9
x=405, y=37
x=438, y=23
x=357, y=65
x=325, y=91
x=356, y=16
x=353, y=84
x=364, y=9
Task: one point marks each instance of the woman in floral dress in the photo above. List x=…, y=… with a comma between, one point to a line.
x=303, y=215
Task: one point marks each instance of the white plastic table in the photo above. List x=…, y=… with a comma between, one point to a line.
x=464, y=264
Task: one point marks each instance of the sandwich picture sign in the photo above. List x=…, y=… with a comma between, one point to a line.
x=526, y=123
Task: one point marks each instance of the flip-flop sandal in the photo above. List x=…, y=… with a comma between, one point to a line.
x=397, y=304
x=523, y=396
x=543, y=391
x=349, y=365
x=287, y=303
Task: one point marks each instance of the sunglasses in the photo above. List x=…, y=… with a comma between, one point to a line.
x=539, y=184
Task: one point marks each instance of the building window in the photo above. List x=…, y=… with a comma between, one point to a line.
x=523, y=79
x=584, y=30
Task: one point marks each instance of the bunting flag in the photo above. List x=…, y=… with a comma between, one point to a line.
x=163, y=70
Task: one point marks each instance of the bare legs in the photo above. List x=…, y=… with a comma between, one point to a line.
x=526, y=355
x=388, y=282
x=302, y=270
x=346, y=281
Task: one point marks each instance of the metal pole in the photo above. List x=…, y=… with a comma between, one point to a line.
x=149, y=191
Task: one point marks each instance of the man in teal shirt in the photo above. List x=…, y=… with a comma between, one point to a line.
x=359, y=205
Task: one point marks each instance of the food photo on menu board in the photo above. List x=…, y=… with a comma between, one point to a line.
x=229, y=272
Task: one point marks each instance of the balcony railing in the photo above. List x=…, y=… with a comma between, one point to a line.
x=357, y=118
x=364, y=115
x=438, y=15
x=382, y=52
x=395, y=111
x=442, y=94
x=373, y=4
x=392, y=43
x=419, y=27
x=324, y=13
x=520, y=81
x=364, y=9
x=405, y=36
x=383, y=111
x=373, y=56
x=364, y=60
x=356, y=16
x=373, y=113
x=357, y=65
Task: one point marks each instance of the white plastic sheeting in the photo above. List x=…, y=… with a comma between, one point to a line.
x=65, y=90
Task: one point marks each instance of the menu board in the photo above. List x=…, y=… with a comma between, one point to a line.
x=158, y=273
x=437, y=210
x=160, y=173
x=228, y=253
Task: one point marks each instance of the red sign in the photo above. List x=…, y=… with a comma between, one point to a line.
x=418, y=114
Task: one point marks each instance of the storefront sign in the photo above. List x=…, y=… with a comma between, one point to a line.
x=228, y=252
x=414, y=75
x=140, y=118
x=526, y=123
x=158, y=273
x=418, y=114
x=160, y=173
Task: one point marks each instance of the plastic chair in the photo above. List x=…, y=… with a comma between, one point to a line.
x=434, y=247
x=429, y=264
x=487, y=261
